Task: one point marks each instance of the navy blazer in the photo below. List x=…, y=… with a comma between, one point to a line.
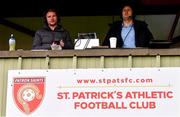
x=142, y=34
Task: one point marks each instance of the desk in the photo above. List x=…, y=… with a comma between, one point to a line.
x=83, y=59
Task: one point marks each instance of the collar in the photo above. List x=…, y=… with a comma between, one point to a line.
x=131, y=25
x=58, y=28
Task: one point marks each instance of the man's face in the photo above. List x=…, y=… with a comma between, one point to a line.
x=126, y=12
x=51, y=18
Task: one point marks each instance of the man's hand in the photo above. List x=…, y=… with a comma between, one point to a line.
x=61, y=43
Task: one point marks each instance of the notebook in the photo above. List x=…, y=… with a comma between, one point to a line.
x=81, y=44
x=86, y=41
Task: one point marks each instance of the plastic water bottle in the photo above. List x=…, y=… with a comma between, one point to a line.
x=12, y=43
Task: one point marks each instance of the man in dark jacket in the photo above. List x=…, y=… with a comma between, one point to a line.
x=52, y=33
x=130, y=33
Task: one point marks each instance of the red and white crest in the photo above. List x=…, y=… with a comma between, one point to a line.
x=28, y=93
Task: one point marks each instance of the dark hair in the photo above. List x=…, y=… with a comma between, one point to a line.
x=131, y=6
x=51, y=10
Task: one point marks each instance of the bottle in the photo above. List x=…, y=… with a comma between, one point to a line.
x=12, y=43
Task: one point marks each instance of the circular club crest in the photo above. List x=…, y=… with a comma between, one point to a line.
x=28, y=95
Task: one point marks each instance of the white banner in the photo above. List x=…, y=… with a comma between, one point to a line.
x=125, y=92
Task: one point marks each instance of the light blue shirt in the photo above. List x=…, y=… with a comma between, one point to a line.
x=128, y=36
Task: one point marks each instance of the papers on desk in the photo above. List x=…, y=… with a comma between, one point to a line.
x=39, y=50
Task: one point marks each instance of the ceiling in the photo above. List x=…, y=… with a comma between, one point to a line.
x=34, y=8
